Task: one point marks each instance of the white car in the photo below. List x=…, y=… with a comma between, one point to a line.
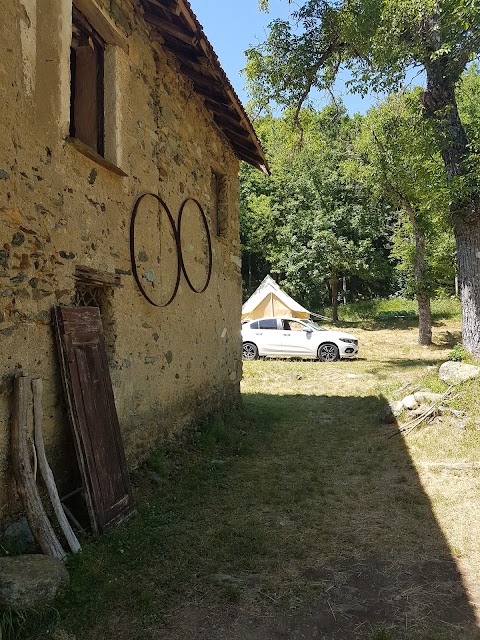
x=295, y=337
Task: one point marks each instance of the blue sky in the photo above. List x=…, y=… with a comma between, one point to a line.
x=232, y=27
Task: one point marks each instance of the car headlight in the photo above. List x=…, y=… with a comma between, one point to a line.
x=349, y=340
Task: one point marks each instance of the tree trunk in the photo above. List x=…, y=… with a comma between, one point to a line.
x=421, y=292
x=344, y=281
x=467, y=236
x=423, y=299
x=424, y=318
x=334, y=290
x=441, y=106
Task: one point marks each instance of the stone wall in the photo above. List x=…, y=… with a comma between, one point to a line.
x=59, y=209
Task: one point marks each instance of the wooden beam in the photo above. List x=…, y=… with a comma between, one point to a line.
x=257, y=161
x=237, y=137
x=102, y=22
x=94, y=278
x=213, y=97
x=168, y=27
x=201, y=79
x=174, y=45
x=241, y=146
x=218, y=94
x=197, y=62
x=187, y=14
x=173, y=9
x=223, y=111
x=207, y=49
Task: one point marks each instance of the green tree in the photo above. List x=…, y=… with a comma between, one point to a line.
x=398, y=160
x=379, y=41
x=311, y=222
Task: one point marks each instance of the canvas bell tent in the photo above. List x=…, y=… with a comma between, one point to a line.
x=270, y=301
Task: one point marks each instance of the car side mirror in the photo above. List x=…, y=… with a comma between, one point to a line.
x=309, y=330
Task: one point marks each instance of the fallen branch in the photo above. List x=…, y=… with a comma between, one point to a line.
x=46, y=471
x=27, y=489
x=417, y=421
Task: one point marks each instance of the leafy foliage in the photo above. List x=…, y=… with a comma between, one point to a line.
x=398, y=160
x=311, y=222
x=380, y=42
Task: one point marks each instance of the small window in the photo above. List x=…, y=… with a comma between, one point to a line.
x=86, y=84
x=87, y=296
x=219, y=199
x=96, y=289
x=268, y=324
x=254, y=325
x=296, y=326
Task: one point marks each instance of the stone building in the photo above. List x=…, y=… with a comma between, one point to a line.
x=104, y=101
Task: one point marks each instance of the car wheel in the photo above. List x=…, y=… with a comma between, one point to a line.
x=249, y=351
x=328, y=352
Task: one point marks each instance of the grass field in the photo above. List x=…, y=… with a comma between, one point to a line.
x=297, y=517
x=366, y=310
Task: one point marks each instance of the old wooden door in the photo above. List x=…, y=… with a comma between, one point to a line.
x=93, y=416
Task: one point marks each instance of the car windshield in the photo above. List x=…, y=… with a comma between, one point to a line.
x=314, y=325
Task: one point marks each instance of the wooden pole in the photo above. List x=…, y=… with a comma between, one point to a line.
x=45, y=470
x=27, y=489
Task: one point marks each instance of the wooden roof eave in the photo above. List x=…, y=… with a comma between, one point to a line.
x=183, y=36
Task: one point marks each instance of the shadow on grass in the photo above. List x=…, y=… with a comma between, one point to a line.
x=405, y=363
x=294, y=518
x=395, y=324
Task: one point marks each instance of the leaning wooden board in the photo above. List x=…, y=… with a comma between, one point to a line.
x=91, y=408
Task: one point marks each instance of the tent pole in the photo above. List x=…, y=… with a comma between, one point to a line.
x=271, y=300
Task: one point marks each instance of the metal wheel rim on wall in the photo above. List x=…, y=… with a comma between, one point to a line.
x=209, y=243
x=133, y=256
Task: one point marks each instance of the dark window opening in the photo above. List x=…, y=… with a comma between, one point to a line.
x=87, y=295
x=86, y=84
x=219, y=203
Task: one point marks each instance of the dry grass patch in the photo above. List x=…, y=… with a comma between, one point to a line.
x=297, y=517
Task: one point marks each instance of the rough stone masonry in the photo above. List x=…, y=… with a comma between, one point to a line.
x=62, y=207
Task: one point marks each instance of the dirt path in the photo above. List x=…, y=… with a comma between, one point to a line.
x=320, y=527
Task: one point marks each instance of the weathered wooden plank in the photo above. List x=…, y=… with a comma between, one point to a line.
x=169, y=8
x=165, y=26
x=45, y=470
x=94, y=278
x=207, y=81
x=93, y=415
x=102, y=23
x=27, y=488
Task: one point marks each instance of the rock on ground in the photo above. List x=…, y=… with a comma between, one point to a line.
x=457, y=372
x=30, y=580
x=17, y=536
x=410, y=402
x=427, y=397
